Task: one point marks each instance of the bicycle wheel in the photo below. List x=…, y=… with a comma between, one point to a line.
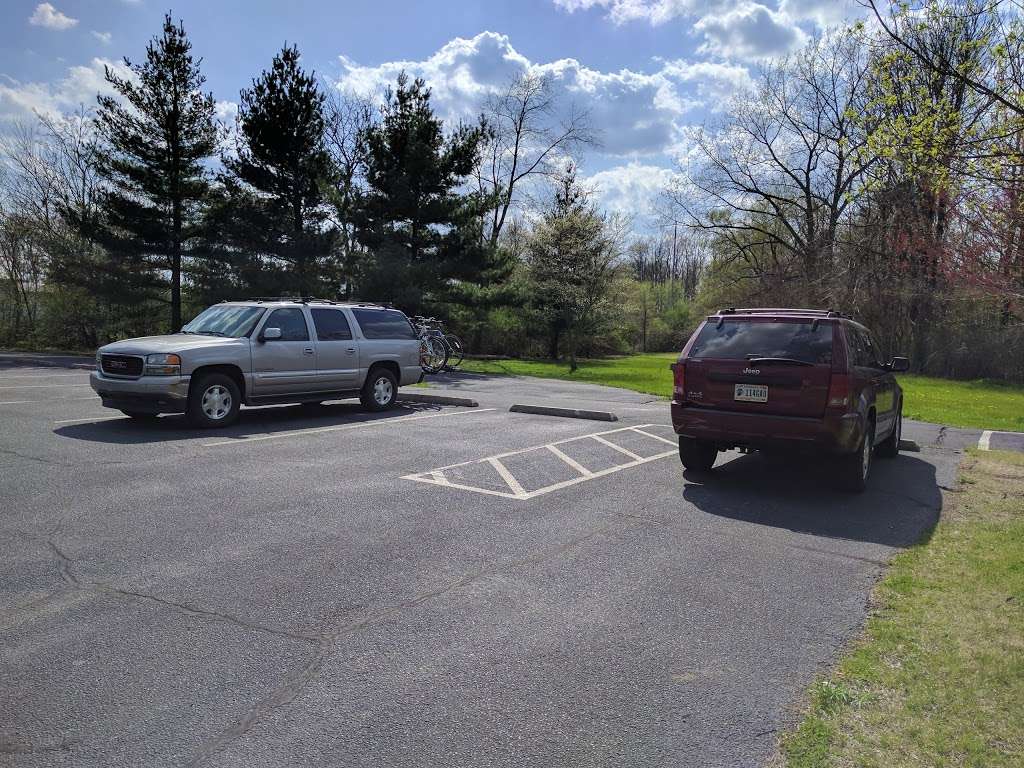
x=456, y=352
x=433, y=355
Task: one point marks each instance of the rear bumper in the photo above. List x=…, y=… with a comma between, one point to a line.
x=147, y=394
x=834, y=433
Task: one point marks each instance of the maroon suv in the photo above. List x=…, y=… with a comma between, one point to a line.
x=770, y=379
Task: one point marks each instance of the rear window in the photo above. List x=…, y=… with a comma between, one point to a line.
x=331, y=325
x=740, y=340
x=383, y=324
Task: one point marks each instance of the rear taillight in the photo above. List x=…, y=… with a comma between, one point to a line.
x=678, y=388
x=839, y=391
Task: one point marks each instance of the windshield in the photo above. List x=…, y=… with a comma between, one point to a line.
x=741, y=340
x=225, y=320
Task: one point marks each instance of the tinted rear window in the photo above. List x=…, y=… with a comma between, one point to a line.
x=331, y=325
x=740, y=340
x=383, y=324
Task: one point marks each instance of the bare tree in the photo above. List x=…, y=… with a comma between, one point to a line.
x=777, y=179
x=995, y=69
x=347, y=117
x=528, y=139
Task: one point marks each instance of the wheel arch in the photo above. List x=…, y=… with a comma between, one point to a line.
x=227, y=369
x=391, y=365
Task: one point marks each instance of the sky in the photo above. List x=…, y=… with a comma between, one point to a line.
x=647, y=72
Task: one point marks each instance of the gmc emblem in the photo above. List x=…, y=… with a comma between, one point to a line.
x=117, y=364
x=752, y=371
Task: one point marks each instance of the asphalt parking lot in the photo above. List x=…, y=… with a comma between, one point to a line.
x=433, y=586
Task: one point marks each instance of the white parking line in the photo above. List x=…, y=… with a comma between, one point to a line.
x=45, y=386
x=91, y=418
x=49, y=400
x=516, y=490
x=507, y=476
x=983, y=440
x=321, y=430
x=44, y=375
x=570, y=461
x=618, y=448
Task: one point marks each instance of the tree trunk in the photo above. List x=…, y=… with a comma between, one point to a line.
x=553, y=341
x=572, y=351
x=176, y=269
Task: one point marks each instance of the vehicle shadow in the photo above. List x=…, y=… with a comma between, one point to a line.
x=902, y=503
x=251, y=422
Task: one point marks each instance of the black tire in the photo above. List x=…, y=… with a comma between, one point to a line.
x=456, y=350
x=697, y=455
x=890, y=448
x=853, y=470
x=380, y=390
x=140, y=415
x=213, y=401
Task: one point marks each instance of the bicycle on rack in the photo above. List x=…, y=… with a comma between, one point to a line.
x=438, y=350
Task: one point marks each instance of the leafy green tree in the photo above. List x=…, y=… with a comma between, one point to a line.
x=572, y=258
x=272, y=218
x=422, y=228
x=157, y=134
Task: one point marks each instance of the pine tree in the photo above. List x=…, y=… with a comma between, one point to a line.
x=571, y=260
x=423, y=231
x=157, y=133
x=274, y=217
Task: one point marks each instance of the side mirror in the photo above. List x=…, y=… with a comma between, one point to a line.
x=899, y=364
x=269, y=334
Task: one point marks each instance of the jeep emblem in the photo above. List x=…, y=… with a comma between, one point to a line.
x=752, y=371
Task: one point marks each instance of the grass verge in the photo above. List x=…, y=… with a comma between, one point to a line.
x=938, y=678
x=979, y=404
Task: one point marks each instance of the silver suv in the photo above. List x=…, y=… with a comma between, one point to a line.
x=261, y=352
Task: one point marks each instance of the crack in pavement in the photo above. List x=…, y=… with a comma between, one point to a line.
x=193, y=610
x=64, y=564
x=290, y=689
x=27, y=457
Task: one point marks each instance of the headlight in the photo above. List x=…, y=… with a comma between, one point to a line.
x=163, y=365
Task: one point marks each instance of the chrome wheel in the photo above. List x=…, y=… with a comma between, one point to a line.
x=383, y=391
x=216, y=402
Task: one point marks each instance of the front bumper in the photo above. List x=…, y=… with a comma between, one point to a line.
x=147, y=394
x=833, y=433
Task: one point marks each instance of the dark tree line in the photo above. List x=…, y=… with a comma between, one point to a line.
x=311, y=192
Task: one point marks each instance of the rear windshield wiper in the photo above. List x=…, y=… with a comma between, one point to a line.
x=780, y=360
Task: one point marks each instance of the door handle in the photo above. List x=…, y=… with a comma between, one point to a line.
x=351, y=350
x=307, y=351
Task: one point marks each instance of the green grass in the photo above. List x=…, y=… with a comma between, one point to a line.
x=979, y=404
x=983, y=404
x=938, y=678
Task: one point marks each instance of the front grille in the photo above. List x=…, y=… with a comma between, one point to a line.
x=122, y=365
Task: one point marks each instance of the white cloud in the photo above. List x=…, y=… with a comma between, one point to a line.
x=630, y=190
x=79, y=86
x=45, y=15
x=823, y=13
x=749, y=31
x=103, y=37
x=653, y=11
x=633, y=112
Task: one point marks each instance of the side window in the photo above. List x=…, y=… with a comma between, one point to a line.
x=331, y=325
x=861, y=351
x=855, y=346
x=292, y=323
x=383, y=324
x=871, y=352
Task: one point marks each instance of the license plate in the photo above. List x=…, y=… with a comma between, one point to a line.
x=751, y=393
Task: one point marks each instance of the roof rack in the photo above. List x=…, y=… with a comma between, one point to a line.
x=299, y=299
x=780, y=311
